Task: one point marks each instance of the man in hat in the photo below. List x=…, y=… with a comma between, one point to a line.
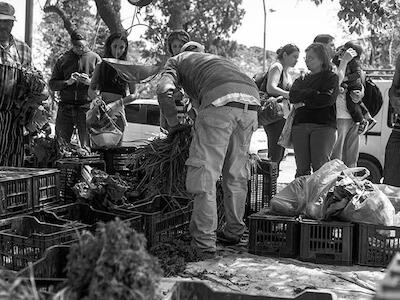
x=71, y=77
x=227, y=100
x=12, y=50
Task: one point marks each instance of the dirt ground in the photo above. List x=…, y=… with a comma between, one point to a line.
x=238, y=271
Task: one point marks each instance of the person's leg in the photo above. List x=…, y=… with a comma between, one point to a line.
x=392, y=160
x=64, y=123
x=273, y=131
x=342, y=126
x=322, y=140
x=353, y=108
x=235, y=174
x=81, y=126
x=351, y=145
x=301, y=146
x=213, y=129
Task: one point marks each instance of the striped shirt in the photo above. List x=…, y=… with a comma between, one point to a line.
x=16, y=52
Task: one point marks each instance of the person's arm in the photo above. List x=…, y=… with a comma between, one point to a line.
x=274, y=76
x=299, y=91
x=165, y=89
x=94, y=88
x=326, y=94
x=394, y=91
x=57, y=81
x=346, y=58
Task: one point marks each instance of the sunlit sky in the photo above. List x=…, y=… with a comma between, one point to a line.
x=293, y=21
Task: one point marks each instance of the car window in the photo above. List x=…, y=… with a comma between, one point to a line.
x=143, y=114
x=153, y=115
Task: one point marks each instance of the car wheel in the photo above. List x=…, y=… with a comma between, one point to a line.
x=375, y=173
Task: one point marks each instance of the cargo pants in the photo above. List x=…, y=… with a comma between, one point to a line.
x=220, y=145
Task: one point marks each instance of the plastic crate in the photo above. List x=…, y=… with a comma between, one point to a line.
x=274, y=235
x=45, y=184
x=261, y=188
x=117, y=159
x=49, y=271
x=70, y=174
x=200, y=291
x=15, y=193
x=24, y=239
x=85, y=214
x=326, y=242
x=376, y=244
x=159, y=224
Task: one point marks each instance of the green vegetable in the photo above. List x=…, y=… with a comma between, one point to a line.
x=113, y=264
x=161, y=165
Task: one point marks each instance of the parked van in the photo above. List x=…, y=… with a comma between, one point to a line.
x=373, y=143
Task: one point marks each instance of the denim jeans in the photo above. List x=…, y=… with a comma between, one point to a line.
x=273, y=131
x=392, y=160
x=70, y=117
x=347, y=145
x=220, y=144
x=312, y=145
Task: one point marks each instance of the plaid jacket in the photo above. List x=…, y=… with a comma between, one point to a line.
x=16, y=52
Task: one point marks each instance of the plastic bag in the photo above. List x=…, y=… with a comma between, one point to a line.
x=318, y=185
x=371, y=206
x=290, y=201
x=347, y=186
x=285, y=139
x=103, y=130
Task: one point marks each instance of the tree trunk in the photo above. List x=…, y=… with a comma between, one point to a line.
x=109, y=11
x=63, y=16
x=176, y=17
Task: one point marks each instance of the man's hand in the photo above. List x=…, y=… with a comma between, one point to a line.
x=83, y=78
x=349, y=55
x=177, y=129
x=297, y=105
x=71, y=81
x=356, y=96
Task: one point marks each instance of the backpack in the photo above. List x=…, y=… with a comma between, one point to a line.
x=373, y=99
x=260, y=80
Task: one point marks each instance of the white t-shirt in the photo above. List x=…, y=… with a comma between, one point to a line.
x=341, y=107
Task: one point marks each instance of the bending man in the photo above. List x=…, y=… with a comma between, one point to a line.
x=227, y=101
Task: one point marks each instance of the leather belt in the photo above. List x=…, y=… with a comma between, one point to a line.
x=242, y=105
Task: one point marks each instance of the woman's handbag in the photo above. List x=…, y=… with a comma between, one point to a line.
x=271, y=110
x=285, y=139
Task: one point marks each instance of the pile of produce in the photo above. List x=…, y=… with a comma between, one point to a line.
x=174, y=254
x=112, y=264
x=68, y=150
x=104, y=191
x=160, y=165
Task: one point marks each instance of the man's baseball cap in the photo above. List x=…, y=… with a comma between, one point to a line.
x=7, y=11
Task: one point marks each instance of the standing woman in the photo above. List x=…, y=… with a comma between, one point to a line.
x=106, y=81
x=314, y=125
x=279, y=81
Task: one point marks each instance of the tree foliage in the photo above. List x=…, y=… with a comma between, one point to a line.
x=57, y=38
x=210, y=22
x=377, y=20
